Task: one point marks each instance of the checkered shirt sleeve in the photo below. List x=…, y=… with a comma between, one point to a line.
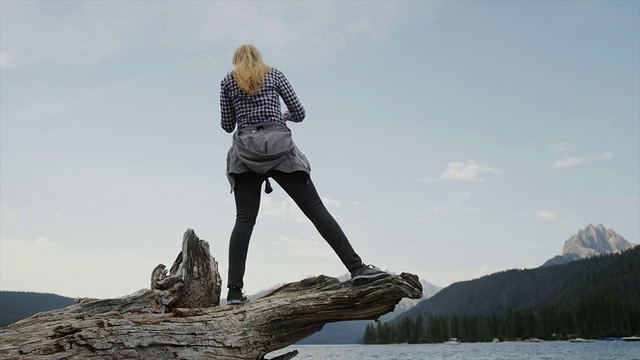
x=240, y=109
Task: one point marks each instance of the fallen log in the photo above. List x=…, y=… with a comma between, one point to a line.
x=180, y=316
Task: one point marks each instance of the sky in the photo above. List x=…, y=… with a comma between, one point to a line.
x=450, y=140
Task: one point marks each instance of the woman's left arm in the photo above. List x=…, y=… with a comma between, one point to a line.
x=227, y=112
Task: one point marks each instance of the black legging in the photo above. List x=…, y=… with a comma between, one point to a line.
x=301, y=189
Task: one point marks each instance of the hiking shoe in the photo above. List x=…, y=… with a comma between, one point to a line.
x=366, y=274
x=235, y=296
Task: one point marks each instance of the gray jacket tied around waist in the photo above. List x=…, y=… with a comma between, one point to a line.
x=261, y=148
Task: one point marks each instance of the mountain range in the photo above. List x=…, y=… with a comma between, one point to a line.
x=592, y=240
x=529, y=289
x=595, y=297
x=498, y=293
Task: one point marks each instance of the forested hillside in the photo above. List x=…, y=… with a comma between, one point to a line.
x=16, y=306
x=596, y=298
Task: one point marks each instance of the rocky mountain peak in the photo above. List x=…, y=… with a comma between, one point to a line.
x=595, y=240
x=590, y=241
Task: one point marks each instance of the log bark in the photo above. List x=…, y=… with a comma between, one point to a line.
x=179, y=317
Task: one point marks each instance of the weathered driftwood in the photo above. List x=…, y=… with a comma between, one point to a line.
x=179, y=318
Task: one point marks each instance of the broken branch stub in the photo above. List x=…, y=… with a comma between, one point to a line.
x=194, y=280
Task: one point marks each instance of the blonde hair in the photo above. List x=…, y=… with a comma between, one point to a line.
x=250, y=71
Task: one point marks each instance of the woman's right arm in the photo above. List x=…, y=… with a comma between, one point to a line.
x=295, y=111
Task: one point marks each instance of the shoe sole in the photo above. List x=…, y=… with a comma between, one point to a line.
x=237, y=302
x=365, y=279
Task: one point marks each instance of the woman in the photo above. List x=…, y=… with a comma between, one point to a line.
x=263, y=148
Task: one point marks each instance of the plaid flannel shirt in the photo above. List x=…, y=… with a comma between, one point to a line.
x=240, y=109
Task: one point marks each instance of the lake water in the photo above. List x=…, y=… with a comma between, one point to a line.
x=598, y=350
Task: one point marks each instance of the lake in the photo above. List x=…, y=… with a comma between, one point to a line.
x=604, y=350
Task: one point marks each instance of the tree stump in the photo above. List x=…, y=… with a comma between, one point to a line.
x=180, y=316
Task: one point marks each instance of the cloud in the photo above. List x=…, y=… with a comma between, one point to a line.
x=303, y=248
x=280, y=209
x=41, y=265
x=5, y=211
x=459, y=197
x=418, y=218
x=65, y=32
x=287, y=209
x=6, y=61
x=576, y=161
x=469, y=171
x=454, y=203
x=330, y=203
x=448, y=277
x=86, y=33
x=559, y=145
x=546, y=215
x=520, y=214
